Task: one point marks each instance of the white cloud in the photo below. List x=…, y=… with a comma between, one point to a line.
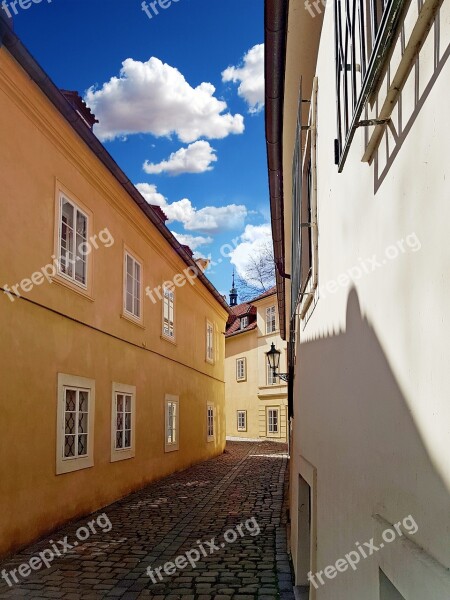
x=193, y=241
x=250, y=76
x=153, y=97
x=196, y=158
x=210, y=219
x=150, y=193
x=254, y=240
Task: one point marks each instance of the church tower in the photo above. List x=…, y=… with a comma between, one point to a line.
x=233, y=294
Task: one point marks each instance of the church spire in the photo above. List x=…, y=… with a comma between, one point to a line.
x=233, y=294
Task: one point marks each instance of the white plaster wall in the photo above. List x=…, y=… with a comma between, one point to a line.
x=372, y=405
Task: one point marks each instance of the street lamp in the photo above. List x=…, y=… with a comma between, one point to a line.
x=273, y=357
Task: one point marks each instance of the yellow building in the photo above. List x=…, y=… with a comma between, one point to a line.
x=256, y=401
x=112, y=346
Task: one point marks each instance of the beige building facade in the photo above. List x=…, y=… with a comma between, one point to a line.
x=255, y=400
x=359, y=183
x=112, y=339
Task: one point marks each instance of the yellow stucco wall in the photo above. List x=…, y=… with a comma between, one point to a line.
x=254, y=395
x=55, y=329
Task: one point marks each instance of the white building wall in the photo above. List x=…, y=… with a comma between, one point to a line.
x=372, y=407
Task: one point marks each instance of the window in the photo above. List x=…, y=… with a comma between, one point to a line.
x=304, y=272
x=241, y=369
x=209, y=342
x=169, y=314
x=172, y=423
x=75, y=423
x=244, y=322
x=72, y=242
x=132, y=291
x=271, y=379
x=210, y=422
x=242, y=420
x=270, y=319
x=364, y=35
x=273, y=421
x=123, y=422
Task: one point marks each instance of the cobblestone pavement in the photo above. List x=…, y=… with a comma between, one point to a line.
x=243, y=487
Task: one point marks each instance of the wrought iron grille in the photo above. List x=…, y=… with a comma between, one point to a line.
x=364, y=33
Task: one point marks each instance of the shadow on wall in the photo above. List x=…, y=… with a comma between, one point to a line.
x=357, y=428
x=412, y=98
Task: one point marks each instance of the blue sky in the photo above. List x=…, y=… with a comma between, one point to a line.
x=156, y=108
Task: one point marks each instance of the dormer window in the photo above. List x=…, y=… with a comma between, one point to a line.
x=244, y=322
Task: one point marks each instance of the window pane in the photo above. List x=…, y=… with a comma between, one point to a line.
x=80, y=269
x=127, y=403
x=83, y=423
x=129, y=303
x=127, y=438
x=82, y=445
x=130, y=266
x=71, y=397
x=119, y=440
x=119, y=422
x=70, y=423
x=69, y=446
x=84, y=396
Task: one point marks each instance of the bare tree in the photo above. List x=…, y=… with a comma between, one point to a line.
x=258, y=275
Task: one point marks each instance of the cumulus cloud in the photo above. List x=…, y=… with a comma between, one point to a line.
x=250, y=76
x=193, y=241
x=153, y=97
x=210, y=219
x=196, y=158
x=255, y=241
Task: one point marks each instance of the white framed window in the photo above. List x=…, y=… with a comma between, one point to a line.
x=72, y=242
x=244, y=322
x=271, y=379
x=271, y=325
x=132, y=293
x=123, y=424
x=242, y=420
x=75, y=423
x=273, y=421
x=209, y=342
x=210, y=422
x=168, y=328
x=172, y=420
x=241, y=369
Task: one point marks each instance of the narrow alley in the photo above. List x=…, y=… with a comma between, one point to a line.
x=214, y=531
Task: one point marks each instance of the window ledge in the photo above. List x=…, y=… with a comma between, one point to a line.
x=171, y=448
x=169, y=339
x=118, y=455
x=74, y=287
x=132, y=319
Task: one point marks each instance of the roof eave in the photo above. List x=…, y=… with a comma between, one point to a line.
x=276, y=12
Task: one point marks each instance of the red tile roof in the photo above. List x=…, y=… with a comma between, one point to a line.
x=273, y=290
x=245, y=309
x=234, y=320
